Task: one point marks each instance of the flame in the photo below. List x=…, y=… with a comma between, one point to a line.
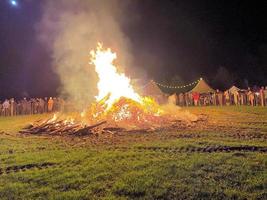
x=54, y=118
x=117, y=102
x=69, y=121
x=112, y=85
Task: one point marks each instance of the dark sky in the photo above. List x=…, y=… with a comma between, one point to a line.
x=181, y=40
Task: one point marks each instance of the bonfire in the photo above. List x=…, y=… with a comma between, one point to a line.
x=117, y=107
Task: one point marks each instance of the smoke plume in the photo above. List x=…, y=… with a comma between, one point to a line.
x=70, y=29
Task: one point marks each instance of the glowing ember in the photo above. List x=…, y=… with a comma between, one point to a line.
x=112, y=84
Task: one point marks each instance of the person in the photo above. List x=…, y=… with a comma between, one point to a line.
x=41, y=106
x=195, y=96
x=36, y=106
x=231, y=96
x=257, y=98
x=227, y=97
x=55, y=104
x=19, y=108
x=6, y=108
x=206, y=100
x=50, y=104
x=12, y=107
x=187, y=100
x=242, y=98
x=236, y=97
x=262, y=97
x=1, y=109
x=251, y=97
x=62, y=104
x=190, y=97
x=28, y=107
x=33, y=106
x=58, y=104
x=24, y=106
x=181, y=99
x=220, y=97
x=210, y=99
x=214, y=99
x=45, y=104
x=172, y=99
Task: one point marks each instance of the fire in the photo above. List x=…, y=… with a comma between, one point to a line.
x=112, y=85
x=117, y=106
x=117, y=102
x=54, y=118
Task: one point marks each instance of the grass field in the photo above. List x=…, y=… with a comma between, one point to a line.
x=224, y=158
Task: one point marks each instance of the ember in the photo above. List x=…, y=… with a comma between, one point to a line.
x=128, y=113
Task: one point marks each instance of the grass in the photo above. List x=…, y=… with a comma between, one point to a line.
x=162, y=165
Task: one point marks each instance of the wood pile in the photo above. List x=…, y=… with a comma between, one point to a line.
x=59, y=127
x=56, y=126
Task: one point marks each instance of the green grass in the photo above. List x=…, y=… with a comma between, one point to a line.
x=14, y=124
x=159, y=165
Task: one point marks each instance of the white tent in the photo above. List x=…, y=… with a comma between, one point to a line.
x=202, y=87
x=234, y=89
x=153, y=90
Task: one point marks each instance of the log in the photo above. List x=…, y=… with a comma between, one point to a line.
x=51, y=127
x=29, y=126
x=65, y=129
x=137, y=131
x=110, y=132
x=113, y=129
x=25, y=132
x=86, y=130
x=95, y=125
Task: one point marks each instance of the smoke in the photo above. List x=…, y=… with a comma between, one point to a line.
x=70, y=29
x=223, y=78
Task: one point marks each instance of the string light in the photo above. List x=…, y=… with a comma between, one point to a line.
x=178, y=86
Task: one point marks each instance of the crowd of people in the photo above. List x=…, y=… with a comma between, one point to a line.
x=219, y=98
x=11, y=107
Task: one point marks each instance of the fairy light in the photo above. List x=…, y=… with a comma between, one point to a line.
x=178, y=86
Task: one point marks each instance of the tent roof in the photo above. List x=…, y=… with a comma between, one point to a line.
x=202, y=87
x=152, y=89
x=233, y=89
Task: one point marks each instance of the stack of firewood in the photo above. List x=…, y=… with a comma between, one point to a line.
x=59, y=127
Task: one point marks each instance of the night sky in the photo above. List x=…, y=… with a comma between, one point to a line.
x=174, y=42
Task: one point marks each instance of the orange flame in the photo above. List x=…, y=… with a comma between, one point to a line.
x=112, y=85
